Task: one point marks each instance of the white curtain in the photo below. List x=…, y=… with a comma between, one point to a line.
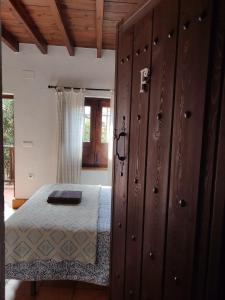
x=110, y=144
x=70, y=128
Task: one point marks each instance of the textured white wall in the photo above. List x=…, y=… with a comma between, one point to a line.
x=35, y=106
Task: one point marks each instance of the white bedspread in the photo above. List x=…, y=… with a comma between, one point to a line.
x=42, y=231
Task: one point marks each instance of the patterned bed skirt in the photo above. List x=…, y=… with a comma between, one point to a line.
x=65, y=270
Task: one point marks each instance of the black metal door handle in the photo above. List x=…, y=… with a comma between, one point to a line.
x=120, y=157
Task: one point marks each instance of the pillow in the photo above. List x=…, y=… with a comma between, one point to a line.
x=65, y=197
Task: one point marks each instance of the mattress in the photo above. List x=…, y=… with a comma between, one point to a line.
x=43, y=231
x=51, y=269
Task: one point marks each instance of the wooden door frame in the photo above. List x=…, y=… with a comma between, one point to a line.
x=2, y=226
x=142, y=9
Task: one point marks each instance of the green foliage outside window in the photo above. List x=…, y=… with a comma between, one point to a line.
x=105, y=124
x=8, y=121
x=87, y=130
x=8, y=136
x=87, y=125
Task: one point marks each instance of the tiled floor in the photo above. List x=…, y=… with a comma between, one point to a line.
x=56, y=290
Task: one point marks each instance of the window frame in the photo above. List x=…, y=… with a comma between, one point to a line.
x=95, y=152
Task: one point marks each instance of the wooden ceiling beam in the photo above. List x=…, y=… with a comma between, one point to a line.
x=10, y=40
x=24, y=17
x=60, y=21
x=99, y=26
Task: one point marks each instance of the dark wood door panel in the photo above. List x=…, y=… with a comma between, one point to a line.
x=187, y=146
x=168, y=198
x=215, y=279
x=88, y=155
x=138, y=142
x=123, y=102
x=159, y=141
x=209, y=145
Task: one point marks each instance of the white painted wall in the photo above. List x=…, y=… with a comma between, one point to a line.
x=35, y=106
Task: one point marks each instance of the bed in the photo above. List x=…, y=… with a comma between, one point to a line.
x=38, y=269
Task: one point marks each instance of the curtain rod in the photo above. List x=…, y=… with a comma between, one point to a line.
x=76, y=88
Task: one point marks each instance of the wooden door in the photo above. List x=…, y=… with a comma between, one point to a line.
x=121, y=145
x=210, y=138
x=172, y=218
x=215, y=288
x=191, y=86
x=159, y=140
x=215, y=276
x=138, y=150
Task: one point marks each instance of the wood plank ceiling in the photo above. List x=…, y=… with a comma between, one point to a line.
x=69, y=23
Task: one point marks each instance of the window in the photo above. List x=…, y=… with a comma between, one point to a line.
x=105, y=125
x=8, y=146
x=87, y=124
x=96, y=133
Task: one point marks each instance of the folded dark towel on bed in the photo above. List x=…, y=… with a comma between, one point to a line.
x=65, y=197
